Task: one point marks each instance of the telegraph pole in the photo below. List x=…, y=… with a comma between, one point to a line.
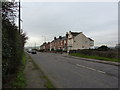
x=19, y=18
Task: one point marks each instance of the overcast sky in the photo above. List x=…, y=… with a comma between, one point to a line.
x=44, y=20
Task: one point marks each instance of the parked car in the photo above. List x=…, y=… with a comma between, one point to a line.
x=34, y=52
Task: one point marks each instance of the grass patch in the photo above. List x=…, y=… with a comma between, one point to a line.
x=20, y=81
x=95, y=57
x=48, y=83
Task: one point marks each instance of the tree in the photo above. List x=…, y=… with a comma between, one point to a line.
x=103, y=48
x=12, y=41
x=9, y=10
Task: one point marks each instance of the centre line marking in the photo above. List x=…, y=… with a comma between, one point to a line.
x=101, y=71
x=91, y=68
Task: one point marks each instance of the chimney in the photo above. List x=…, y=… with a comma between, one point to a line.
x=60, y=37
x=45, y=43
x=67, y=34
x=55, y=38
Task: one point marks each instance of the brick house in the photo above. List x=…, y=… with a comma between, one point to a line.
x=42, y=47
x=59, y=43
x=47, y=46
x=71, y=41
x=52, y=46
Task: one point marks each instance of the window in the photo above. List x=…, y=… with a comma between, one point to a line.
x=82, y=46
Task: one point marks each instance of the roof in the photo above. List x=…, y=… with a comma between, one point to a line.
x=90, y=39
x=43, y=44
x=64, y=38
x=58, y=39
x=75, y=33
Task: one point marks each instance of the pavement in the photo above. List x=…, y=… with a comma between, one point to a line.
x=70, y=72
x=34, y=78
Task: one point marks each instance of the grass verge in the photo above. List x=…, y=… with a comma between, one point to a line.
x=95, y=57
x=20, y=81
x=48, y=83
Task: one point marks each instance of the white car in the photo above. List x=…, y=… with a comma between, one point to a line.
x=29, y=50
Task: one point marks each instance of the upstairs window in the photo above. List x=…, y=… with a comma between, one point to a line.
x=82, y=46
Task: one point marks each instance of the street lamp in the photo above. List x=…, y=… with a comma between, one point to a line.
x=19, y=18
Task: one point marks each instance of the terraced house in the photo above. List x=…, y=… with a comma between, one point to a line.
x=71, y=41
x=59, y=43
x=77, y=40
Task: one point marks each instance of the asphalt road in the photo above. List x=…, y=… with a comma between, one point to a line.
x=74, y=73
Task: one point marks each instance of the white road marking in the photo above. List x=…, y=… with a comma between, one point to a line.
x=101, y=71
x=91, y=68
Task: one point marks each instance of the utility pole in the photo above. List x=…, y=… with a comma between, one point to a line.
x=19, y=18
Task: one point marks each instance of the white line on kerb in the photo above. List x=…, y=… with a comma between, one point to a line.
x=90, y=68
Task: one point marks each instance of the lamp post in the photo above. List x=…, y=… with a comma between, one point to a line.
x=19, y=18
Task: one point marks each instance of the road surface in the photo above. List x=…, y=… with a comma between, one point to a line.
x=74, y=73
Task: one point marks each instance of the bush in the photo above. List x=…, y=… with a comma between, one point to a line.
x=89, y=52
x=59, y=50
x=12, y=42
x=52, y=49
x=103, y=48
x=41, y=50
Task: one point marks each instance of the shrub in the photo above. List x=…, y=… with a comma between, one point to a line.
x=12, y=42
x=89, y=52
x=103, y=48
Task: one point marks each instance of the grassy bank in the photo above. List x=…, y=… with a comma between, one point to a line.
x=20, y=81
x=95, y=57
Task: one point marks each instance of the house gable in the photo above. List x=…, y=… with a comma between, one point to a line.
x=82, y=42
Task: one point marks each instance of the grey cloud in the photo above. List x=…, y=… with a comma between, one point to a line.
x=54, y=19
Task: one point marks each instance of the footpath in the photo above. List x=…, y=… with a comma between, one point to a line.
x=34, y=77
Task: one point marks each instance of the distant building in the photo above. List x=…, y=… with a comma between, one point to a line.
x=42, y=47
x=52, y=46
x=64, y=43
x=77, y=40
x=71, y=41
x=59, y=43
x=47, y=46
